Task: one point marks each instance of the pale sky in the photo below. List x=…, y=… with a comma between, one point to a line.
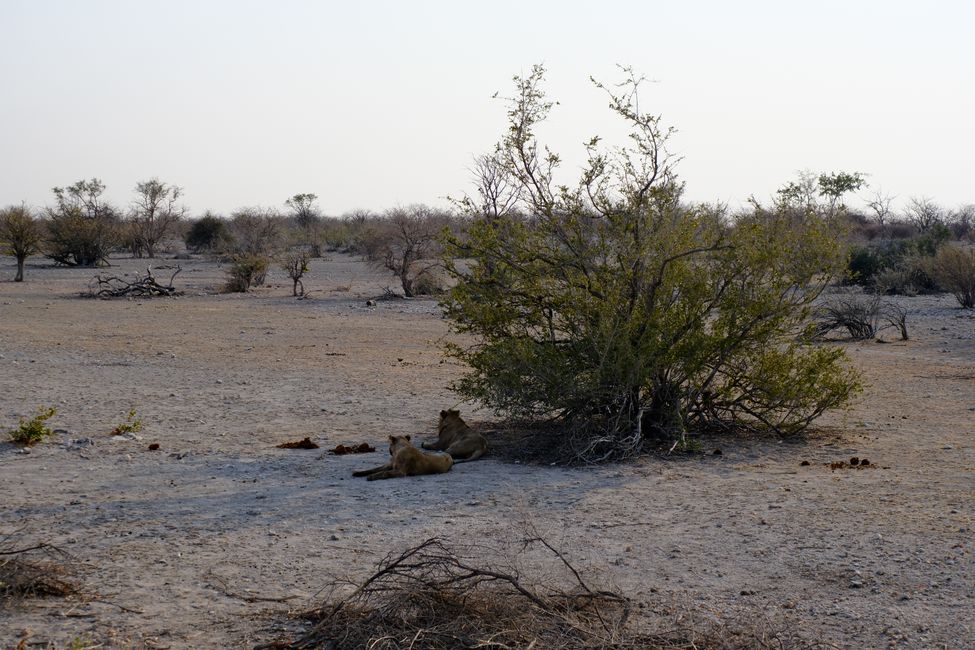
x=376, y=104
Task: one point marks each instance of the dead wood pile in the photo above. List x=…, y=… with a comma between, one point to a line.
x=111, y=286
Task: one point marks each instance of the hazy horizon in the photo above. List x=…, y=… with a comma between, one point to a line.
x=247, y=103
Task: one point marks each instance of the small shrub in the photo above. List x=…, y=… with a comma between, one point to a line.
x=859, y=317
x=954, y=270
x=862, y=317
x=295, y=264
x=246, y=270
x=132, y=424
x=865, y=262
x=910, y=277
x=30, y=431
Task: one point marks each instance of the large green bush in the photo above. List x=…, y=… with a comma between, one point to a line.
x=623, y=313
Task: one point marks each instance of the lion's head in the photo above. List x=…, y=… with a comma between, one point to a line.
x=450, y=420
x=398, y=442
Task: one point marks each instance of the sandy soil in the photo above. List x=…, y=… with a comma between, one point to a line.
x=861, y=559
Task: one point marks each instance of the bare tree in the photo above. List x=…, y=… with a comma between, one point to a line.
x=154, y=213
x=923, y=213
x=963, y=221
x=497, y=193
x=880, y=205
x=406, y=242
x=257, y=231
x=20, y=235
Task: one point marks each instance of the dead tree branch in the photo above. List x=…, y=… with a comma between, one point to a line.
x=105, y=287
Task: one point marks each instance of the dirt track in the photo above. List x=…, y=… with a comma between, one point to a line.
x=860, y=558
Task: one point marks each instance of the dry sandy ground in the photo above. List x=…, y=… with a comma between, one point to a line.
x=860, y=559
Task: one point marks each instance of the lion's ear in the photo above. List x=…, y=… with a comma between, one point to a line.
x=443, y=414
x=407, y=437
x=392, y=438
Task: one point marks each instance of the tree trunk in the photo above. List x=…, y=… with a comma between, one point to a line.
x=20, y=268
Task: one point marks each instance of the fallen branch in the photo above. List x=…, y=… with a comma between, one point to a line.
x=146, y=287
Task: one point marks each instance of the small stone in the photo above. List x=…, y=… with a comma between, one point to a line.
x=333, y=537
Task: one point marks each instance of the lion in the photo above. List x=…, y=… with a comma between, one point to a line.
x=457, y=439
x=407, y=460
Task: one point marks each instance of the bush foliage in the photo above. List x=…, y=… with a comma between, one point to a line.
x=82, y=228
x=246, y=270
x=625, y=313
x=954, y=270
x=33, y=430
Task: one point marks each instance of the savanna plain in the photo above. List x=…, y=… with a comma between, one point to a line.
x=211, y=539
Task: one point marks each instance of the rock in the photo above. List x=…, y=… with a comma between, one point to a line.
x=333, y=538
x=79, y=443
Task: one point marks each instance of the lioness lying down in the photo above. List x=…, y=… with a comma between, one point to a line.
x=457, y=439
x=407, y=460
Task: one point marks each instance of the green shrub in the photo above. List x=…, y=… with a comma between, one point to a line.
x=624, y=313
x=132, y=424
x=34, y=430
x=896, y=266
x=246, y=270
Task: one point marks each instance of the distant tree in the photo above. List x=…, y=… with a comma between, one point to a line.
x=308, y=219
x=208, y=233
x=833, y=186
x=258, y=231
x=497, y=196
x=924, y=214
x=21, y=235
x=880, y=204
x=303, y=209
x=154, y=214
x=963, y=221
x=406, y=241
x=822, y=194
x=83, y=228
